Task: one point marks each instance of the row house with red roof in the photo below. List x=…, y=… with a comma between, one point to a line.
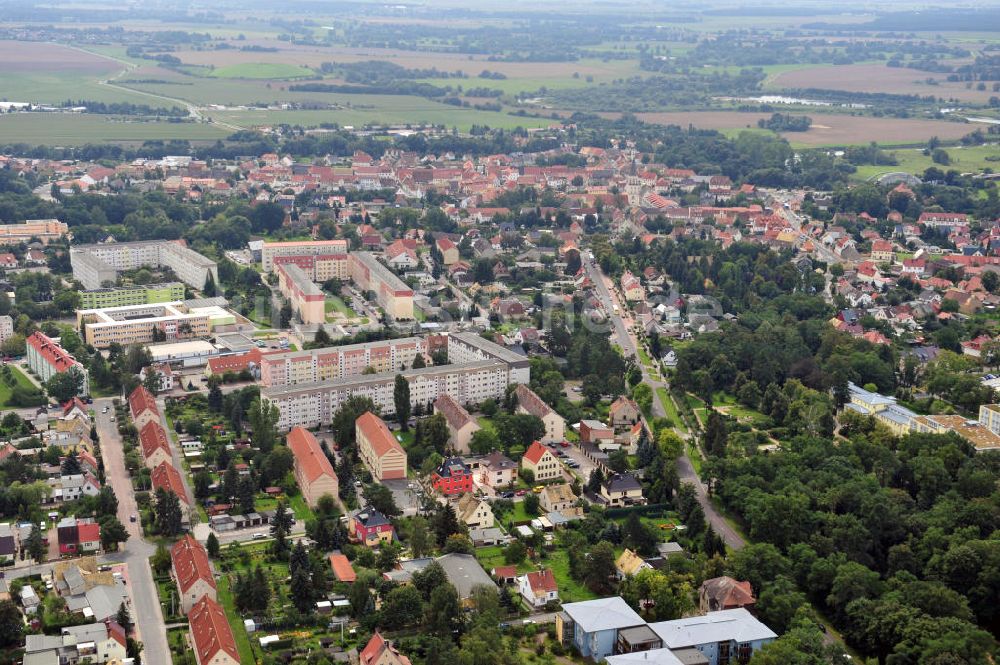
x=46, y=359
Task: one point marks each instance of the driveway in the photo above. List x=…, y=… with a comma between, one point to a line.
x=406, y=497
x=135, y=553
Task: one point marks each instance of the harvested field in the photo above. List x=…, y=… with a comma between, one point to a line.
x=828, y=129
x=45, y=57
x=875, y=78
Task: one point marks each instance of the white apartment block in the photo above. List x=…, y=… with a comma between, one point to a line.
x=135, y=324
x=6, y=328
x=464, y=347
x=313, y=404
x=93, y=265
x=271, y=250
x=392, y=295
x=295, y=367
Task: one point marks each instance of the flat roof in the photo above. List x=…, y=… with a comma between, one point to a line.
x=276, y=392
x=726, y=625
x=346, y=348
x=190, y=346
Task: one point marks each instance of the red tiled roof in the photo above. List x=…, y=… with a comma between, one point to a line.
x=152, y=437
x=377, y=434
x=191, y=563
x=308, y=454
x=56, y=356
x=534, y=452
x=342, y=569
x=88, y=532
x=167, y=477
x=210, y=631
x=142, y=400
x=374, y=650
x=542, y=581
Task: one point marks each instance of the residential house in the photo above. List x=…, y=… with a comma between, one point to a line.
x=378, y=448
x=154, y=444
x=78, y=535
x=724, y=593
x=592, y=626
x=164, y=374
x=632, y=287
x=882, y=252
x=621, y=489
x=629, y=563
x=473, y=512
x=453, y=476
x=542, y=463
x=98, y=642
x=555, y=498
x=370, y=527
x=192, y=571
x=538, y=588
x=461, y=425
x=530, y=403
x=211, y=635
x=497, y=470
x=313, y=471
x=448, y=250
x=722, y=637
x=380, y=651
x=142, y=407
x=624, y=413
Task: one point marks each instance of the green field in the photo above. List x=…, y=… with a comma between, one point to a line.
x=22, y=381
x=337, y=304
x=56, y=87
x=261, y=70
x=964, y=159
x=78, y=129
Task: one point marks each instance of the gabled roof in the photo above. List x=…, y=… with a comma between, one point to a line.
x=534, y=452
x=542, y=581
x=308, y=454
x=210, y=631
x=725, y=592
x=530, y=402
x=342, y=568
x=142, y=400
x=381, y=651
x=453, y=467
x=152, y=437
x=167, y=477
x=453, y=412
x=369, y=517
x=191, y=563
x=378, y=435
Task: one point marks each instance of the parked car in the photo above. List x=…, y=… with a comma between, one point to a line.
x=520, y=492
x=537, y=489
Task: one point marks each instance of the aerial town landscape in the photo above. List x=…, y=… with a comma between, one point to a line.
x=496, y=334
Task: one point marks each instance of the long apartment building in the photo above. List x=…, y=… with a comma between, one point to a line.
x=136, y=324
x=44, y=230
x=392, y=295
x=124, y=296
x=314, y=404
x=307, y=299
x=94, y=266
x=319, y=267
x=46, y=359
x=337, y=362
x=464, y=347
x=269, y=251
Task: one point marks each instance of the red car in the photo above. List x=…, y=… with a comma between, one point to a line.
x=564, y=444
x=520, y=492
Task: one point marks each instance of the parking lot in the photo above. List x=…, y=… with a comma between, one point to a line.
x=574, y=453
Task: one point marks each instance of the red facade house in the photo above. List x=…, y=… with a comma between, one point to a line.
x=452, y=477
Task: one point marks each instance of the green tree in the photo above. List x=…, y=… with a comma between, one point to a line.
x=401, y=401
x=281, y=526
x=443, y=616
x=600, y=572
x=420, y=537
x=11, y=624
x=263, y=418
x=113, y=533
x=212, y=545
x=35, y=546
x=64, y=386
x=403, y=607
x=168, y=515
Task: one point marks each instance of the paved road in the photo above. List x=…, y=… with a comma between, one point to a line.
x=685, y=469
x=146, y=611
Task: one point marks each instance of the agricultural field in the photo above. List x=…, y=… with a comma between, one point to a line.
x=828, y=129
x=261, y=70
x=412, y=110
x=877, y=78
x=77, y=129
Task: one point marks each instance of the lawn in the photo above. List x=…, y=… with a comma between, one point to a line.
x=671, y=409
x=570, y=591
x=225, y=598
x=337, y=304
x=22, y=381
x=261, y=70
x=964, y=159
x=301, y=509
